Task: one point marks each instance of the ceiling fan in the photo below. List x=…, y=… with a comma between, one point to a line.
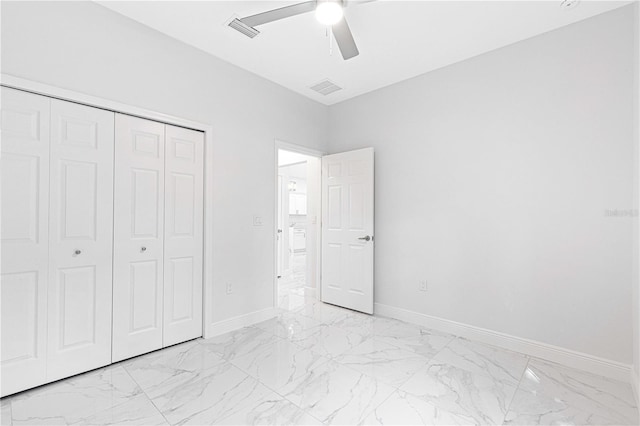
x=328, y=12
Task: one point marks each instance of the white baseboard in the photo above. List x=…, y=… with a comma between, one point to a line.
x=604, y=367
x=635, y=384
x=235, y=323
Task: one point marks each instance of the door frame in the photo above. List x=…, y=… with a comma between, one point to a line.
x=277, y=145
x=26, y=85
x=279, y=226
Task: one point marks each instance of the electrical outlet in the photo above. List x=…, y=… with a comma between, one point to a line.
x=229, y=288
x=422, y=285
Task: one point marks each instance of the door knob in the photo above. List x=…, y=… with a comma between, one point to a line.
x=143, y=249
x=77, y=252
x=366, y=238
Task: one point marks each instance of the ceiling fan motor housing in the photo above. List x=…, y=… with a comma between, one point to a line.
x=332, y=10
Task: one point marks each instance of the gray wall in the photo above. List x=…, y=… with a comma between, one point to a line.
x=636, y=194
x=492, y=180
x=493, y=175
x=87, y=48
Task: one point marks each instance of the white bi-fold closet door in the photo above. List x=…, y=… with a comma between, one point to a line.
x=80, y=239
x=25, y=239
x=157, y=292
x=183, y=234
x=65, y=167
x=57, y=195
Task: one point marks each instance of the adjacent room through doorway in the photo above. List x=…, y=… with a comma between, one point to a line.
x=298, y=220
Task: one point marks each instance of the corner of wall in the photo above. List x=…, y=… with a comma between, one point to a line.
x=235, y=323
x=635, y=379
x=635, y=384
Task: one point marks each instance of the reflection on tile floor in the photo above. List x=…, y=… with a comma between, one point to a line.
x=294, y=277
x=315, y=364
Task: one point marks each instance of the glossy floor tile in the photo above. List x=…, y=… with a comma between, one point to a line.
x=76, y=399
x=294, y=277
x=289, y=325
x=385, y=362
x=5, y=416
x=327, y=340
x=138, y=410
x=218, y=393
x=553, y=394
x=336, y=394
x=271, y=411
x=238, y=343
x=501, y=364
x=171, y=367
x=412, y=337
x=319, y=364
x=327, y=314
x=461, y=393
x=403, y=408
x=279, y=363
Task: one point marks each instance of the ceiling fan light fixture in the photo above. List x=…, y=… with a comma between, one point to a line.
x=329, y=12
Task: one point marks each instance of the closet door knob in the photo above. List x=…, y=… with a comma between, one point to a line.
x=143, y=249
x=77, y=252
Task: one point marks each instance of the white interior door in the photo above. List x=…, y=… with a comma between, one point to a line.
x=80, y=239
x=25, y=197
x=347, y=229
x=183, y=234
x=138, y=237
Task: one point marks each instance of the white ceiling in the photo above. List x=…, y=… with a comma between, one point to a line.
x=397, y=39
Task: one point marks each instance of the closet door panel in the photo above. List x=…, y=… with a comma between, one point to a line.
x=139, y=235
x=23, y=283
x=80, y=241
x=183, y=235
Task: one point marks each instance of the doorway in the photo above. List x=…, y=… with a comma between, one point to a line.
x=338, y=191
x=298, y=223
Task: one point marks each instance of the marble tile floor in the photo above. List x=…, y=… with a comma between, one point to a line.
x=319, y=364
x=294, y=277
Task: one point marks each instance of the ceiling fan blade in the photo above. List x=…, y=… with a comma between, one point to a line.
x=281, y=13
x=345, y=40
x=350, y=2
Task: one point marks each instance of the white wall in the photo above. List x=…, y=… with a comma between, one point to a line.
x=84, y=47
x=492, y=180
x=636, y=225
x=517, y=153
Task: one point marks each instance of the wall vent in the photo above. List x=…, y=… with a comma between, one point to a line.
x=325, y=87
x=238, y=25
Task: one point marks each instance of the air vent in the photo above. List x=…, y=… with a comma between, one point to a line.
x=325, y=87
x=237, y=24
x=569, y=4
